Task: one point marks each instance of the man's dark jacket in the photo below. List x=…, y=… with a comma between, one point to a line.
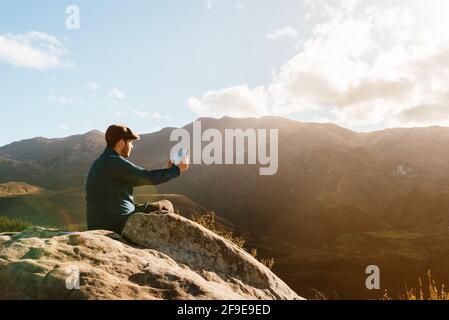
x=109, y=189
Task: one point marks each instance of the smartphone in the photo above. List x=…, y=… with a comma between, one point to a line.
x=181, y=156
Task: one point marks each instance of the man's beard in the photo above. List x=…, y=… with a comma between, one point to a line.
x=125, y=153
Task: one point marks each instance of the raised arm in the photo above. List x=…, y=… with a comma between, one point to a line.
x=125, y=170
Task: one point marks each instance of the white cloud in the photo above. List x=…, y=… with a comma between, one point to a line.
x=35, y=50
x=93, y=86
x=116, y=94
x=156, y=115
x=140, y=114
x=63, y=126
x=287, y=32
x=240, y=5
x=59, y=99
x=145, y=114
x=365, y=64
x=118, y=114
x=210, y=4
x=239, y=101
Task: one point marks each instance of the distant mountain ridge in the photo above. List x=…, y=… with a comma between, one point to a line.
x=322, y=168
x=51, y=163
x=333, y=188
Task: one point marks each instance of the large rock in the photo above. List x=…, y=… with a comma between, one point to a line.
x=170, y=258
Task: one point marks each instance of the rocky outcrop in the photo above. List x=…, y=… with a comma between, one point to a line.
x=159, y=256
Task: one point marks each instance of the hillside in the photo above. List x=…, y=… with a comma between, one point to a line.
x=332, y=183
x=40, y=206
x=337, y=270
x=51, y=163
x=12, y=189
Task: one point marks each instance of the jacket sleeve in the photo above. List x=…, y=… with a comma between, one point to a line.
x=125, y=170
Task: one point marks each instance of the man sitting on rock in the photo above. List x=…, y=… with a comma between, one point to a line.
x=109, y=187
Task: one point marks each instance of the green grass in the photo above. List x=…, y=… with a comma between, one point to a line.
x=12, y=225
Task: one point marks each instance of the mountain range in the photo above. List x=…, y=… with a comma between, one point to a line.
x=341, y=200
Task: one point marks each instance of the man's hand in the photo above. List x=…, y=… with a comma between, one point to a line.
x=182, y=166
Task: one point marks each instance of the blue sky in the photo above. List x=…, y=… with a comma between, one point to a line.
x=360, y=64
x=157, y=53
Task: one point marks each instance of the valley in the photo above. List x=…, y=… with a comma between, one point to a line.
x=340, y=201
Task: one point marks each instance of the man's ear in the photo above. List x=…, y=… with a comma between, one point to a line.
x=120, y=143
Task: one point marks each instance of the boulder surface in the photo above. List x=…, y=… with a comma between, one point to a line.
x=158, y=256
